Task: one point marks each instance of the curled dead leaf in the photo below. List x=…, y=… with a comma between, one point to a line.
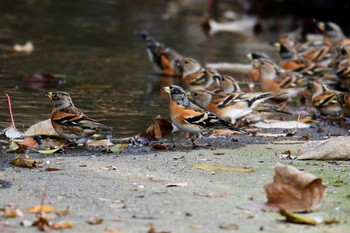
x=158, y=146
x=11, y=211
x=180, y=184
x=62, y=225
x=26, y=161
x=41, y=128
x=294, y=190
x=159, y=128
x=337, y=148
x=95, y=221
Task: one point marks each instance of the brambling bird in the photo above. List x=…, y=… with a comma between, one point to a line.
x=162, y=56
x=325, y=100
x=332, y=34
x=277, y=80
x=230, y=106
x=191, y=118
x=228, y=84
x=255, y=74
x=70, y=122
x=343, y=99
x=194, y=76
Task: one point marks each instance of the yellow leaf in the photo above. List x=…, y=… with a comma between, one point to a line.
x=62, y=225
x=49, y=151
x=296, y=218
x=209, y=167
x=41, y=208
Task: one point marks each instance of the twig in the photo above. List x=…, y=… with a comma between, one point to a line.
x=43, y=197
x=10, y=109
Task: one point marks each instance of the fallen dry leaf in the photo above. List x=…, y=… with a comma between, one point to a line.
x=229, y=227
x=14, y=147
x=158, y=146
x=180, y=184
x=153, y=230
x=42, y=223
x=158, y=129
x=208, y=167
x=99, y=143
x=41, y=128
x=336, y=148
x=11, y=211
x=26, y=161
x=296, y=218
x=62, y=225
x=95, y=221
x=28, y=142
x=41, y=209
x=62, y=213
x=48, y=152
x=12, y=133
x=294, y=190
x=51, y=169
x=282, y=125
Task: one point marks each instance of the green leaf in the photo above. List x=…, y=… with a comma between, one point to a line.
x=49, y=151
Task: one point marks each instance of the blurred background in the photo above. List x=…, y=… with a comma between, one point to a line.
x=89, y=48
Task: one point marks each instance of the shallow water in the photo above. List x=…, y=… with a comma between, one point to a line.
x=93, y=46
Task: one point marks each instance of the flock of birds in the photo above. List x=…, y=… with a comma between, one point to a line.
x=316, y=71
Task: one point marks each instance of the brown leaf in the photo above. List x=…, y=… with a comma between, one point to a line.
x=95, y=221
x=42, y=223
x=158, y=129
x=181, y=184
x=50, y=169
x=26, y=161
x=153, y=230
x=294, y=190
x=62, y=213
x=158, y=146
x=11, y=211
x=28, y=142
x=62, y=225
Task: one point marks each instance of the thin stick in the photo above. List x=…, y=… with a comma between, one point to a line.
x=10, y=109
x=43, y=197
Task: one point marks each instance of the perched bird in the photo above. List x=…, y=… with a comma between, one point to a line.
x=194, y=76
x=332, y=34
x=191, y=118
x=228, y=84
x=277, y=80
x=325, y=100
x=230, y=106
x=163, y=57
x=70, y=122
x=343, y=99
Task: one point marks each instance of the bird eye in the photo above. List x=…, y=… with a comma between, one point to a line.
x=185, y=62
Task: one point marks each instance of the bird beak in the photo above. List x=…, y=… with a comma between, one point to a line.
x=277, y=46
x=49, y=95
x=167, y=89
x=321, y=26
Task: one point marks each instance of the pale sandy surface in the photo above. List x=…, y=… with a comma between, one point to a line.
x=136, y=193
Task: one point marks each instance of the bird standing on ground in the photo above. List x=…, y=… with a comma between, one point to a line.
x=70, y=122
x=163, y=57
x=191, y=118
